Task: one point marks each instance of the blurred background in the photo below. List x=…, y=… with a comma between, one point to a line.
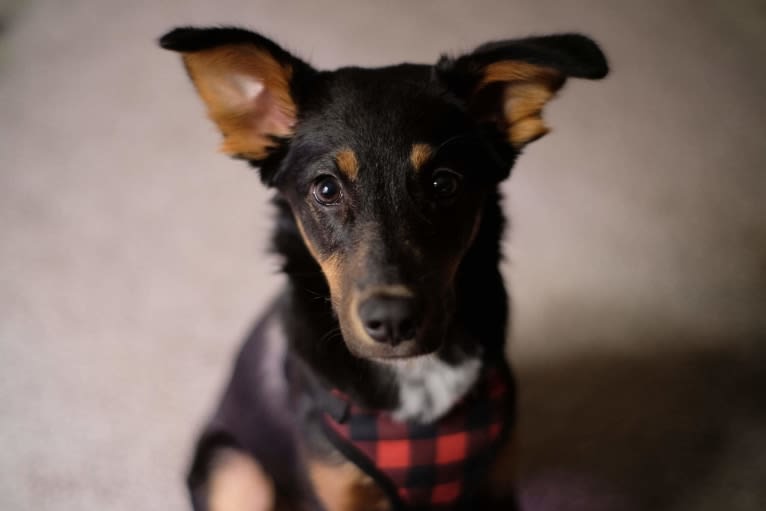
x=133, y=257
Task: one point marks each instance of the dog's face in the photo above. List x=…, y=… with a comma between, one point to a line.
x=385, y=170
x=385, y=177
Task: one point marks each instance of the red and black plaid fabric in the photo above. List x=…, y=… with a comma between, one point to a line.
x=428, y=466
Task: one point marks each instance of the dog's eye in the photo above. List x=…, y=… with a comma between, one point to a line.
x=446, y=183
x=327, y=190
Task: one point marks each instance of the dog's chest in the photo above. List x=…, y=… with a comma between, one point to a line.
x=429, y=387
x=432, y=464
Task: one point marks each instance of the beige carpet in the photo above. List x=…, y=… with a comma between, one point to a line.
x=132, y=257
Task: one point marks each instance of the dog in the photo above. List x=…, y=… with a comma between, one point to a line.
x=377, y=380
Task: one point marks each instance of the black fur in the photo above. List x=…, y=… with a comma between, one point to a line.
x=407, y=235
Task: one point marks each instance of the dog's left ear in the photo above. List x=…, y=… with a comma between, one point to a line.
x=506, y=84
x=251, y=86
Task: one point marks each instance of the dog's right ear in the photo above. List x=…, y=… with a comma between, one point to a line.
x=252, y=88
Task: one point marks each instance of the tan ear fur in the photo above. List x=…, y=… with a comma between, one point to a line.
x=247, y=94
x=527, y=88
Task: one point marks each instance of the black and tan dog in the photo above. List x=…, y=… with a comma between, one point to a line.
x=377, y=380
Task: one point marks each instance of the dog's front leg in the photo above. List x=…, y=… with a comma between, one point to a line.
x=238, y=483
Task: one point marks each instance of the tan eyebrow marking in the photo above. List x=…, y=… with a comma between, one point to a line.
x=420, y=155
x=347, y=163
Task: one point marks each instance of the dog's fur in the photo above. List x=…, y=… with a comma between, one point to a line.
x=387, y=189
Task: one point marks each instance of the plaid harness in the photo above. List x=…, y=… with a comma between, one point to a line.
x=427, y=466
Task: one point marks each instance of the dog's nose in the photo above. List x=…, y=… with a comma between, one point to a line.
x=389, y=319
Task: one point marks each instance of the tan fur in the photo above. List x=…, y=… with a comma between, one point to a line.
x=420, y=154
x=226, y=78
x=518, y=71
x=356, y=322
x=347, y=163
x=331, y=265
x=332, y=269
x=397, y=290
x=309, y=245
x=344, y=487
x=527, y=130
x=528, y=88
x=238, y=483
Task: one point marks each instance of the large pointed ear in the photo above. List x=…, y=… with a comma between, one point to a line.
x=252, y=88
x=506, y=84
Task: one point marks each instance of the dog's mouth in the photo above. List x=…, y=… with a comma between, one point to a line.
x=364, y=348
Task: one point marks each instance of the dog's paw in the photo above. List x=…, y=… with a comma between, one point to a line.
x=238, y=483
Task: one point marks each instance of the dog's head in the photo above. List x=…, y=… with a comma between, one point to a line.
x=385, y=170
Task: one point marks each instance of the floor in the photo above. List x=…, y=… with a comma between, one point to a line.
x=133, y=257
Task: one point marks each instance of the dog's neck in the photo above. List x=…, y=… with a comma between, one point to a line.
x=420, y=389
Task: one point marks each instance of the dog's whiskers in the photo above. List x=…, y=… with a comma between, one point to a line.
x=330, y=334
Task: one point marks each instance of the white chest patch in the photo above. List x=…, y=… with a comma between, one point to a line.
x=429, y=387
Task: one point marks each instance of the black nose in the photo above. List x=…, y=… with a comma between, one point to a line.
x=389, y=319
